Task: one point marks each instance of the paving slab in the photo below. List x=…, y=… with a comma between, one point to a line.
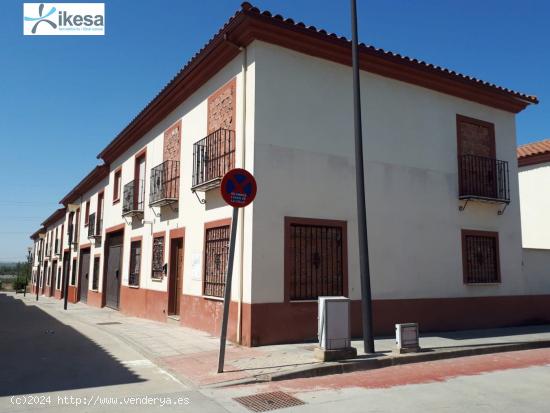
x=191, y=355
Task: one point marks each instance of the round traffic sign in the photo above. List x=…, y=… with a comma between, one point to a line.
x=238, y=188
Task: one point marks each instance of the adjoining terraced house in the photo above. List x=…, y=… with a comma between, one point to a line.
x=275, y=97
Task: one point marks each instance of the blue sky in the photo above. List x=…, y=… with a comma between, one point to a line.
x=63, y=98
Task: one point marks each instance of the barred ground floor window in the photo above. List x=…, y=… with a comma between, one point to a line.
x=135, y=263
x=95, y=274
x=480, y=257
x=157, y=269
x=215, y=260
x=315, y=258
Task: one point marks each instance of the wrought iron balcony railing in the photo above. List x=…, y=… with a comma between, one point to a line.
x=484, y=179
x=213, y=156
x=165, y=183
x=133, y=198
x=94, y=227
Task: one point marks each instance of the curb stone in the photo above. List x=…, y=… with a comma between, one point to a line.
x=382, y=360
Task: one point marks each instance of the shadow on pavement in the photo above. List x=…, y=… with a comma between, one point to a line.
x=492, y=332
x=40, y=354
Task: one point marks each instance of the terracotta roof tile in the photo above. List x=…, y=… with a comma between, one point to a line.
x=268, y=18
x=530, y=98
x=533, y=149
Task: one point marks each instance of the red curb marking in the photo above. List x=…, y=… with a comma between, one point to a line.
x=417, y=373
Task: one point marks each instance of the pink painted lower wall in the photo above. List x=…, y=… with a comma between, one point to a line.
x=144, y=303
x=206, y=314
x=95, y=299
x=276, y=323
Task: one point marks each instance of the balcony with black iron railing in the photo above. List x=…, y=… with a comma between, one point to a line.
x=213, y=156
x=165, y=183
x=133, y=198
x=484, y=179
x=94, y=227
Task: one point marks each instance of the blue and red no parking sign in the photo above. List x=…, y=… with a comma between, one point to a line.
x=238, y=188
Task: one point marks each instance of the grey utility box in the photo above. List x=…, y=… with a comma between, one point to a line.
x=334, y=323
x=407, y=338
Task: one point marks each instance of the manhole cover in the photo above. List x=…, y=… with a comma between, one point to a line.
x=265, y=402
x=108, y=323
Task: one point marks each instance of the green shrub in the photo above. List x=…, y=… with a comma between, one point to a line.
x=20, y=283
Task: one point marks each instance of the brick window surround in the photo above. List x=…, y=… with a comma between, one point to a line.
x=117, y=185
x=480, y=257
x=315, y=258
x=87, y=214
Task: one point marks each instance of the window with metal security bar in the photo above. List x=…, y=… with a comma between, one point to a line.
x=215, y=260
x=157, y=271
x=213, y=156
x=316, y=258
x=95, y=276
x=135, y=263
x=73, y=273
x=480, y=257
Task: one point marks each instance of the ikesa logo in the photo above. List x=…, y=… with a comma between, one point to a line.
x=61, y=19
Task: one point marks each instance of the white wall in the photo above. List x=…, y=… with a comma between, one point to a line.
x=534, y=189
x=189, y=213
x=96, y=248
x=536, y=270
x=304, y=166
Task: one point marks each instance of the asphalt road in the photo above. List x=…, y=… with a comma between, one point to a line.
x=49, y=366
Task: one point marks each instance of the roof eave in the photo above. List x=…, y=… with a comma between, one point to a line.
x=87, y=183
x=250, y=24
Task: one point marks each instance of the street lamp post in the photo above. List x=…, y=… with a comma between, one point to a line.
x=366, y=300
x=28, y=273
x=40, y=259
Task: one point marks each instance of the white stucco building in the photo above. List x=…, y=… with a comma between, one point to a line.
x=275, y=97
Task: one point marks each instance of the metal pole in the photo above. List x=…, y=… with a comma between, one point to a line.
x=39, y=268
x=37, y=281
x=227, y=292
x=66, y=270
x=366, y=301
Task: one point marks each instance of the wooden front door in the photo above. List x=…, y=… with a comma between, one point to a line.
x=53, y=278
x=175, y=282
x=84, y=275
x=113, y=273
x=44, y=277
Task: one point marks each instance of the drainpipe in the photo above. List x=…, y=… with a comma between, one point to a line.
x=241, y=211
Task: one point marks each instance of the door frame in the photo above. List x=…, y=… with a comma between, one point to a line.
x=175, y=234
x=108, y=233
x=53, y=278
x=79, y=279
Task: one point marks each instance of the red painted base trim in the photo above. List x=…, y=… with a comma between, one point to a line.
x=72, y=296
x=276, y=323
x=206, y=315
x=57, y=294
x=141, y=302
x=95, y=299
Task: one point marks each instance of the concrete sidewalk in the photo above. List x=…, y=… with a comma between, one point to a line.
x=191, y=355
